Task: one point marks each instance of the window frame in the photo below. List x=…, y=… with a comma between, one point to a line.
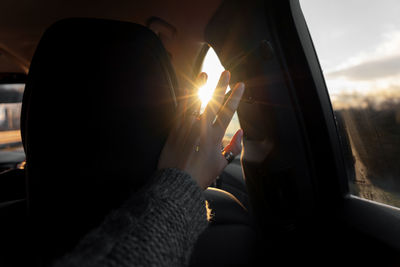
x=377, y=220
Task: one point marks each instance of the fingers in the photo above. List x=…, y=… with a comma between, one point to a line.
x=218, y=97
x=235, y=146
x=196, y=103
x=189, y=102
x=226, y=113
x=193, y=104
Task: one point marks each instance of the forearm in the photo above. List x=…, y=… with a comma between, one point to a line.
x=155, y=228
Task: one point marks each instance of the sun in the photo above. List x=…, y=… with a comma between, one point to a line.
x=213, y=67
x=205, y=94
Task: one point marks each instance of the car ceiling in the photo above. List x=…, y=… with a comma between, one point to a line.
x=22, y=22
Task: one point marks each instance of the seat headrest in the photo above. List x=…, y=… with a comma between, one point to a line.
x=96, y=112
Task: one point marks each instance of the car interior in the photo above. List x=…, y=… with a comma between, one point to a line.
x=73, y=74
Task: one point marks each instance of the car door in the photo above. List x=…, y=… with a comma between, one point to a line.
x=299, y=151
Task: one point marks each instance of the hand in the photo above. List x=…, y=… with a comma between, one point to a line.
x=194, y=143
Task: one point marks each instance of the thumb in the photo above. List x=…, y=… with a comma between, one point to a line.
x=235, y=146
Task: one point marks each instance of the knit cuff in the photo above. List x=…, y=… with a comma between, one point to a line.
x=178, y=183
x=175, y=185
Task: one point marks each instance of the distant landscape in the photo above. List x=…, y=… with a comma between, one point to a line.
x=10, y=115
x=372, y=130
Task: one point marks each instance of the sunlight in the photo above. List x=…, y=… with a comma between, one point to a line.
x=213, y=67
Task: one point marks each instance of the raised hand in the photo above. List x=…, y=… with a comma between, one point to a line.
x=194, y=143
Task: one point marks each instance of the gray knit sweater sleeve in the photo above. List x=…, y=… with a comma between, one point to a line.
x=155, y=228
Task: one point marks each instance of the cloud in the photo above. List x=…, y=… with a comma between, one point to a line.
x=381, y=62
x=370, y=70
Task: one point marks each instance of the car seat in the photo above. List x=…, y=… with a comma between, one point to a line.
x=97, y=109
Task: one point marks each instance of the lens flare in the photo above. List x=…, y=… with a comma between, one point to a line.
x=213, y=67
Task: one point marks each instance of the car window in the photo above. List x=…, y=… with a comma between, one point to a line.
x=358, y=46
x=11, y=151
x=213, y=67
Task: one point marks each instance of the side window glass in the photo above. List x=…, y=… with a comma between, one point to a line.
x=11, y=151
x=358, y=45
x=213, y=67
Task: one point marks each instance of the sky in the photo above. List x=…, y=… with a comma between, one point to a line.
x=358, y=46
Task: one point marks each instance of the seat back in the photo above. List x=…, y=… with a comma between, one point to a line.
x=97, y=109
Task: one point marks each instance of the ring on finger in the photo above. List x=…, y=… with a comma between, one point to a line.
x=228, y=155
